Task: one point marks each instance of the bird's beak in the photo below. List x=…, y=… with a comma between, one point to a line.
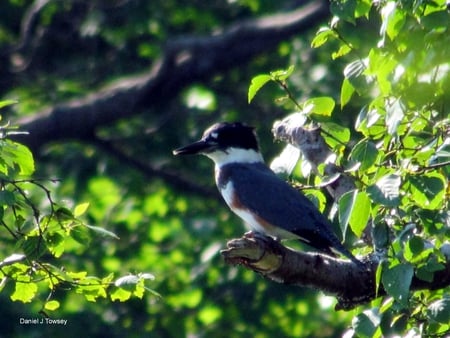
x=198, y=147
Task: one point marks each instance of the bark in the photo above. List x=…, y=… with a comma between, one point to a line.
x=351, y=285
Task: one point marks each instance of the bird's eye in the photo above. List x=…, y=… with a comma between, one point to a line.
x=212, y=137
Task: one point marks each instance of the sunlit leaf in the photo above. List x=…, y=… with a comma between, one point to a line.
x=52, y=305
x=126, y=280
x=354, y=76
x=120, y=294
x=5, y=103
x=81, y=234
x=343, y=50
x=320, y=105
x=257, y=83
x=209, y=314
x=24, y=291
x=101, y=231
x=55, y=243
x=427, y=190
x=16, y=155
x=347, y=91
x=439, y=311
x=282, y=74
x=365, y=324
x=354, y=209
x=80, y=209
x=365, y=153
x=286, y=161
x=394, y=116
x=393, y=19
x=386, y=191
x=322, y=36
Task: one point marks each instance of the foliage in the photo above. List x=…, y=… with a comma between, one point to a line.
x=399, y=157
x=104, y=217
x=43, y=232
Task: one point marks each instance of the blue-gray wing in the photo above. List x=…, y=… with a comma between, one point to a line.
x=279, y=204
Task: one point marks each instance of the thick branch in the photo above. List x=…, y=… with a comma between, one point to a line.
x=343, y=279
x=185, y=60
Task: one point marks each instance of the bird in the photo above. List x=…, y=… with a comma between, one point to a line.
x=267, y=204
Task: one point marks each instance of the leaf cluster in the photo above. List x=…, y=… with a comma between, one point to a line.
x=38, y=233
x=397, y=152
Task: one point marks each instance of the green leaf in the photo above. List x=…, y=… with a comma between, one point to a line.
x=51, y=305
x=394, y=116
x=81, y=234
x=322, y=106
x=378, y=275
x=55, y=243
x=363, y=8
x=282, y=74
x=354, y=74
x=210, y=314
x=33, y=247
x=286, y=161
x=386, y=191
x=360, y=213
x=317, y=197
x=126, y=281
x=102, y=231
x=366, y=324
x=80, y=209
x=7, y=198
x=393, y=19
x=365, y=153
x=413, y=248
x=439, y=311
x=24, y=291
x=120, y=294
x=5, y=103
x=427, y=190
x=397, y=280
x=24, y=159
x=16, y=155
x=354, y=209
x=344, y=10
x=92, y=288
x=380, y=235
x=257, y=83
x=335, y=134
x=63, y=214
x=347, y=91
x=343, y=50
x=322, y=36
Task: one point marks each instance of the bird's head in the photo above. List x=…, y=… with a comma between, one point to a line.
x=226, y=142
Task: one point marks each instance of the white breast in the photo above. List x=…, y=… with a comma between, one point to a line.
x=250, y=220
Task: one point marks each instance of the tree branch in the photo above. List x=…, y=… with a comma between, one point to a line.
x=184, y=61
x=177, y=180
x=342, y=279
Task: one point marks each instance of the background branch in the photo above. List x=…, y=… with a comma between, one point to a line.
x=185, y=61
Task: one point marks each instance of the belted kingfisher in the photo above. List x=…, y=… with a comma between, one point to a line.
x=265, y=202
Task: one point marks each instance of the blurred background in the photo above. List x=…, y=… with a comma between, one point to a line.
x=132, y=80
